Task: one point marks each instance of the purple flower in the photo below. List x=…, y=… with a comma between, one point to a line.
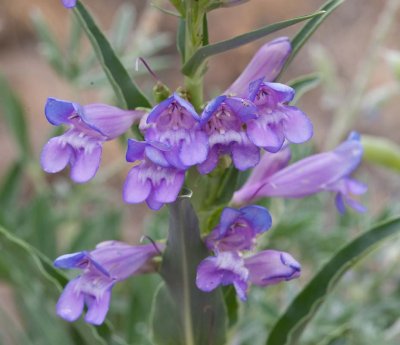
x=69, y=3
x=271, y=267
x=108, y=264
x=154, y=179
x=266, y=63
x=276, y=121
x=175, y=124
x=238, y=229
x=327, y=171
x=81, y=145
x=264, y=268
x=222, y=121
x=224, y=269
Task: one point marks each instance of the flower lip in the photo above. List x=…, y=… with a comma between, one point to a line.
x=59, y=112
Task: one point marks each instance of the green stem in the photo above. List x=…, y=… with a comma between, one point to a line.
x=194, y=31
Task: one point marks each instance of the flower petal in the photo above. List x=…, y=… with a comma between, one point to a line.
x=271, y=267
x=69, y=3
x=266, y=63
x=245, y=156
x=297, y=127
x=136, y=188
x=73, y=260
x=97, y=308
x=210, y=163
x=58, y=112
x=86, y=164
x=194, y=151
x=258, y=217
x=71, y=302
x=109, y=120
x=169, y=188
x=268, y=136
x=55, y=155
x=135, y=150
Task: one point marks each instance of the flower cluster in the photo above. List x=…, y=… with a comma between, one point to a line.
x=237, y=232
x=250, y=115
x=108, y=264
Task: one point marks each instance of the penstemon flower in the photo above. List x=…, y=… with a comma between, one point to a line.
x=222, y=121
x=175, y=124
x=154, y=179
x=276, y=121
x=327, y=171
x=237, y=232
x=81, y=145
x=102, y=268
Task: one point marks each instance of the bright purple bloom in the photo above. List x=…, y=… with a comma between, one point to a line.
x=276, y=121
x=81, y=145
x=264, y=268
x=238, y=229
x=108, y=264
x=69, y=3
x=266, y=63
x=175, y=124
x=271, y=267
x=222, y=121
x=328, y=171
x=154, y=180
x=224, y=269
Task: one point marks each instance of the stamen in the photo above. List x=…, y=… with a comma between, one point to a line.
x=152, y=242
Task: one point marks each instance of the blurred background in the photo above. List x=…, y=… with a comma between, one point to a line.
x=43, y=52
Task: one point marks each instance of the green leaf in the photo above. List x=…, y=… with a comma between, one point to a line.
x=14, y=114
x=192, y=65
x=303, y=84
x=291, y=324
x=25, y=267
x=182, y=314
x=124, y=87
x=381, y=151
x=308, y=29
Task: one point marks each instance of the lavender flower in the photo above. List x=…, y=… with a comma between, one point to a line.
x=69, y=3
x=81, y=145
x=276, y=121
x=175, y=124
x=238, y=229
x=108, y=264
x=266, y=63
x=154, y=179
x=265, y=268
x=327, y=171
x=224, y=269
x=222, y=121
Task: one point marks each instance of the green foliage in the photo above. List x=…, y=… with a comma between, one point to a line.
x=291, y=324
x=182, y=313
x=202, y=54
x=381, y=151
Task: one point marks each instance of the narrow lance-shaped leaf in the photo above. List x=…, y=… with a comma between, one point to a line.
x=308, y=29
x=182, y=314
x=192, y=65
x=291, y=324
x=125, y=89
